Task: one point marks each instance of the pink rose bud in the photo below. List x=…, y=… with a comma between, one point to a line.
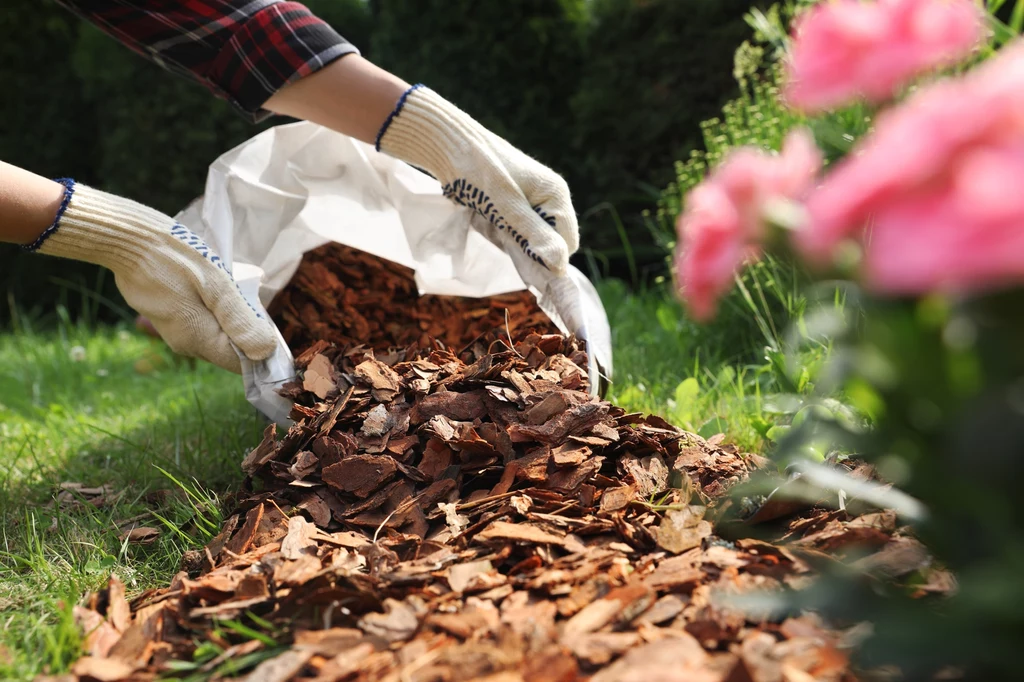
x=933, y=194
x=847, y=50
x=724, y=221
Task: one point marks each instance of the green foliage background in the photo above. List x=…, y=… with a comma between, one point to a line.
x=608, y=92
x=654, y=71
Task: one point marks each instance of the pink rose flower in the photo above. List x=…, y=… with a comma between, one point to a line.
x=724, y=221
x=934, y=193
x=846, y=50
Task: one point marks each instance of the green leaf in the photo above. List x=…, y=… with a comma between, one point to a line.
x=761, y=425
x=778, y=432
x=713, y=427
x=685, y=396
x=1017, y=19
x=247, y=631
x=777, y=362
x=814, y=412
x=668, y=318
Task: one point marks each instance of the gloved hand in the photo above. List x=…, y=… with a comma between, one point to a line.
x=526, y=204
x=164, y=271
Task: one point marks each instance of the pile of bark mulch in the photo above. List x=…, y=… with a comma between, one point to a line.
x=457, y=513
x=348, y=297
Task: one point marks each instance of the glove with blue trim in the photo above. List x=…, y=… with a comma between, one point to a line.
x=164, y=271
x=525, y=206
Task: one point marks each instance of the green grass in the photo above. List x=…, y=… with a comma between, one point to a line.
x=101, y=407
x=740, y=375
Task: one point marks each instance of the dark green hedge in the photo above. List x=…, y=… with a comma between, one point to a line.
x=514, y=65
x=655, y=70
x=608, y=92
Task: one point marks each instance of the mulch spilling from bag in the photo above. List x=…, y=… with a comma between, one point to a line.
x=348, y=297
x=455, y=513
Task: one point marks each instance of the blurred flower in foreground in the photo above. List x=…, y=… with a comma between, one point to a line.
x=934, y=193
x=724, y=221
x=849, y=49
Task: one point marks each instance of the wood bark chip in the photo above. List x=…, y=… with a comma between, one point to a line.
x=299, y=538
x=360, y=475
x=451, y=504
x=242, y=540
x=500, y=530
x=382, y=379
x=320, y=378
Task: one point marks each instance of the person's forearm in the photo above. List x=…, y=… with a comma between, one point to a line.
x=351, y=96
x=28, y=204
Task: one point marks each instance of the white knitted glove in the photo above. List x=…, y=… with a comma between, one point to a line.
x=526, y=204
x=164, y=271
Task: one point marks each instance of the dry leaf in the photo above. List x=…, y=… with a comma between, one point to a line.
x=141, y=535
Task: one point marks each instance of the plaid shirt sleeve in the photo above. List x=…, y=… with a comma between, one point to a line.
x=242, y=50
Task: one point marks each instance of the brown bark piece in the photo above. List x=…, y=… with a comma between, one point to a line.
x=680, y=658
x=570, y=454
x=317, y=508
x=360, y=474
x=436, y=458
x=501, y=530
x=627, y=602
x=305, y=463
x=263, y=452
x=552, y=404
x=100, y=634
x=299, y=540
x=614, y=499
x=119, y=613
x=242, y=539
x=461, y=576
x=320, y=379
x=456, y=406
x=684, y=529
x=280, y=668
x=383, y=381
x=297, y=572
x=675, y=574
x=329, y=643
x=574, y=421
x=396, y=624
x=272, y=527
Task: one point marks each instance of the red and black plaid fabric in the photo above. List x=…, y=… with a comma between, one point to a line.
x=242, y=50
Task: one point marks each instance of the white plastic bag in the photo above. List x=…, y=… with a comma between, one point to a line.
x=296, y=187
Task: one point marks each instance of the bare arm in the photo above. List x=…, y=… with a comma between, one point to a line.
x=351, y=96
x=28, y=204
